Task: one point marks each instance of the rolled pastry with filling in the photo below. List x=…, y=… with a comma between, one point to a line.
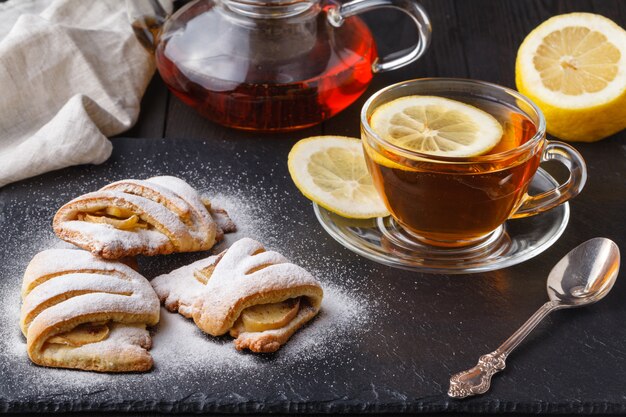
x=257, y=296
x=157, y=216
x=82, y=312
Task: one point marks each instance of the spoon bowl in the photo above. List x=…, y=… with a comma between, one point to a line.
x=585, y=275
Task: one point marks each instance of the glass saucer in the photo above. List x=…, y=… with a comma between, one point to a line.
x=384, y=241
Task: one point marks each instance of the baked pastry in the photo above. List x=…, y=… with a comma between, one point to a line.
x=156, y=216
x=79, y=311
x=257, y=296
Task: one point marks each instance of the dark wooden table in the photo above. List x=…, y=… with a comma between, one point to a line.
x=572, y=365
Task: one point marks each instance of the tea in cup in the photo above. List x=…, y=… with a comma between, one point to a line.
x=453, y=159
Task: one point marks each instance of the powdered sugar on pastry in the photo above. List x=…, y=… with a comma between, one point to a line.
x=188, y=361
x=126, y=345
x=170, y=217
x=245, y=275
x=200, y=219
x=154, y=192
x=64, y=289
x=245, y=272
x=105, y=239
x=54, y=262
x=179, y=289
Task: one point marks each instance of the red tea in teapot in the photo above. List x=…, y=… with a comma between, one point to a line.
x=270, y=65
x=299, y=86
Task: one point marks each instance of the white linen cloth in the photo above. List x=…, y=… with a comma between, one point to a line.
x=69, y=77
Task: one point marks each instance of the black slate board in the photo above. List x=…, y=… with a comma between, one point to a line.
x=425, y=327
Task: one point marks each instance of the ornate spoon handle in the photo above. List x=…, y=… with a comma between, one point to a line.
x=477, y=380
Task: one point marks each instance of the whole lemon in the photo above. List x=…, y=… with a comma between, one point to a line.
x=573, y=66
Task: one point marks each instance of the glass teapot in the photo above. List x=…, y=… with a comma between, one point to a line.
x=269, y=65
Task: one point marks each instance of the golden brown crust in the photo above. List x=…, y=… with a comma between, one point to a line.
x=216, y=324
x=125, y=350
x=64, y=289
x=112, y=252
x=174, y=219
x=271, y=340
x=244, y=276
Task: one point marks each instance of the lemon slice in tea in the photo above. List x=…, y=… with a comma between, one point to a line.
x=331, y=171
x=436, y=126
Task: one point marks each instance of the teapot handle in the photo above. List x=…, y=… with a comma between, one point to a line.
x=147, y=17
x=336, y=16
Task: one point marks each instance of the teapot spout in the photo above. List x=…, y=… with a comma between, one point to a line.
x=147, y=18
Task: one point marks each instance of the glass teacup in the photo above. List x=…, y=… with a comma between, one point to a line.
x=459, y=202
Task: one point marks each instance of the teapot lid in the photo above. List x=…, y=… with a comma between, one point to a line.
x=270, y=8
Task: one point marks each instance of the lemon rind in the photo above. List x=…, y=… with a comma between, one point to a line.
x=299, y=155
x=529, y=76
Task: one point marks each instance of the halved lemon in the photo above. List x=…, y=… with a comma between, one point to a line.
x=573, y=66
x=436, y=126
x=331, y=171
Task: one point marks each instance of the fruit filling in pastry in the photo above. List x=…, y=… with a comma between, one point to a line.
x=119, y=218
x=263, y=317
x=157, y=216
x=257, y=296
x=80, y=311
x=82, y=334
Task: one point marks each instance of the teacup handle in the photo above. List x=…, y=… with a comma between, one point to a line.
x=568, y=156
x=336, y=16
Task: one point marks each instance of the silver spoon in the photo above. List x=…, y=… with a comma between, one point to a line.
x=585, y=275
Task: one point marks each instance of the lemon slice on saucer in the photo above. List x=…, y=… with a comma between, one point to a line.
x=331, y=171
x=574, y=67
x=436, y=126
